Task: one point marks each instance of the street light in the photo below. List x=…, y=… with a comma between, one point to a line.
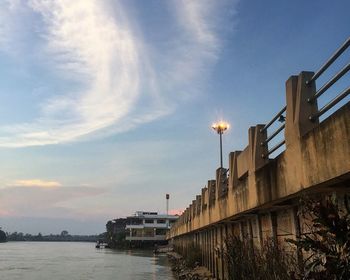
x=220, y=128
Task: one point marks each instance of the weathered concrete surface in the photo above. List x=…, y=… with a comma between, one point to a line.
x=323, y=156
x=258, y=199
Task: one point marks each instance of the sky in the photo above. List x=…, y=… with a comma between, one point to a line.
x=106, y=106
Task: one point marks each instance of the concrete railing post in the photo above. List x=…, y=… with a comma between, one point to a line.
x=212, y=192
x=221, y=182
x=297, y=125
x=257, y=147
x=256, y=160
x=194, y=209
x=233, y=178
x=204, y=199
x=298, y=108
x=198, y=204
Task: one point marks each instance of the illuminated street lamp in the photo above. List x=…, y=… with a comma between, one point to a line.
x=220, y=128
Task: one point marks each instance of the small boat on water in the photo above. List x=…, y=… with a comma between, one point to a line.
x=101, y=244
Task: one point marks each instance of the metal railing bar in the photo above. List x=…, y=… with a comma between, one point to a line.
x=273, y=134
x=330, y=104
x=327, y=85
x=274, y=119
x=276, y=147
x=324, y=67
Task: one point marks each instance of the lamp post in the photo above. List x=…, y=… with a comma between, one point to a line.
x=220, y=128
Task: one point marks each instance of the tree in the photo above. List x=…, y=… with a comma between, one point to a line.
x=3, y=237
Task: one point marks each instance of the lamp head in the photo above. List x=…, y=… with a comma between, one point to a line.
x=220, y=126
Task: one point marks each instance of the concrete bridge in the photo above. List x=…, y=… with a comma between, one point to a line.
x=257, y=197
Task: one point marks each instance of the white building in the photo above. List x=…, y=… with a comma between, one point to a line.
x=148, y=226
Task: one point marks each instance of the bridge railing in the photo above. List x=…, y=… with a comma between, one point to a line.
x=278, y=117
x=299, y=117
x=312, y=117
x=330, y=82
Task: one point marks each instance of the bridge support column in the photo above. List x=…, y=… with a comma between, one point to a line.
x=210, y=252
x=297, y=125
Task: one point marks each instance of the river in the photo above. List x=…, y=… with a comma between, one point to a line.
x=78, y=261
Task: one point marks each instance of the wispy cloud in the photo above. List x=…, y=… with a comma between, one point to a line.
x=197, y=18
x=36, y=183
x=30, y=201
x=96, y=44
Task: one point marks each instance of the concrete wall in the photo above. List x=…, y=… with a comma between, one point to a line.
x=258, y=196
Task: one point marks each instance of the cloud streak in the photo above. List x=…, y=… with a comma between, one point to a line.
x=95, y=44
x=36, y=183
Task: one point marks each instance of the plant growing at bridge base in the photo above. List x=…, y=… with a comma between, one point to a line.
x=270, y=262
x=327, y=240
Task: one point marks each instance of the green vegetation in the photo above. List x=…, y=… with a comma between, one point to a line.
x=115, y=234
x=324, y=246
x=327, y=239
x=3, y=237
x=268, y=263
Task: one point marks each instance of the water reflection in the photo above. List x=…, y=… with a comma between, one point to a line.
x=73, y=261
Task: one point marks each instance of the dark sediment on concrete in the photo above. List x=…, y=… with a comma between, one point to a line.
x=183, y=272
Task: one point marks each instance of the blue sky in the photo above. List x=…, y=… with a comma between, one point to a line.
x=106, y=106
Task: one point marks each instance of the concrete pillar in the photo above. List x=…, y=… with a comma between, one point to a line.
x=224, y=240
x=297, y=235
x=256, y=149
x=198, y=204
x=204, y=247
x=212, y=192
x=207, y=249
x=256, y=160
x=274, y=226
x=221, y=183
x=213, y=270
x=216, y=259
x=204, y=198
x=297, y=125
x=190, y=214
x=213, y=255
x=298, y=108
x=219, y=255
x=194, y=209
x=233, y=178
x=261, y=240
x=241, y=232
x=211, y=252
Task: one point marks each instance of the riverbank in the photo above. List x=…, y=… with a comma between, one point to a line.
x=183, y=272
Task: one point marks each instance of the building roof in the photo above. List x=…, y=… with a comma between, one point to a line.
x=153, y=215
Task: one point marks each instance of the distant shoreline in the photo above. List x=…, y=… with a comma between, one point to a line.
x=91, y=241
x=63, y=237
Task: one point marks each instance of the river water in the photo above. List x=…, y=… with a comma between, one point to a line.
x=78, y=261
